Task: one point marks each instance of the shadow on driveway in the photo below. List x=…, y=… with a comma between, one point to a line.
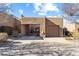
x=29, y=38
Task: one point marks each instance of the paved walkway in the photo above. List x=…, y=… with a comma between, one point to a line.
x=48, y=46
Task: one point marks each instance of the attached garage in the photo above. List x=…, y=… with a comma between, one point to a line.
x=52, y=31
x=54, y=27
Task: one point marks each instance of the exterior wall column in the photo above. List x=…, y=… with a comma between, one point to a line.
x=42, y=28
x=61, y=32
x=23, y=29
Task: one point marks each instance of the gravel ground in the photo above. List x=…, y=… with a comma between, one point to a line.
x=38, y=49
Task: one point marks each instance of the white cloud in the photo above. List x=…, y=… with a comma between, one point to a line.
x=42, y=13
x=51, y=7
x=37, y=6
x=43, y=8
x=20, y=11
x=27, y=4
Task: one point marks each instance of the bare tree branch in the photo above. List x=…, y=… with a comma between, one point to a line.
x=72, y=12
x=70, y=8
x=4, y=7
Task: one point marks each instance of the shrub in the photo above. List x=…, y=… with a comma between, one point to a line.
x=75, y=36
x=3, y=36
x=67, y=33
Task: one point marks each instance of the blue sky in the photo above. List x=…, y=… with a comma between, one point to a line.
x=36, y=9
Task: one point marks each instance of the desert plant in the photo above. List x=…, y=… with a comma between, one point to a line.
x=67, y=33
x=3, y=37
x=75, y=36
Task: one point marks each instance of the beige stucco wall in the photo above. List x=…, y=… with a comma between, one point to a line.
x=72, y=27
x=8, y=20
x=76, y=27
x=57, y=21
x=69, y=26
x=23, y=30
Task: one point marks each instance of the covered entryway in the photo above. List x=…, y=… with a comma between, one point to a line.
x=32, y=29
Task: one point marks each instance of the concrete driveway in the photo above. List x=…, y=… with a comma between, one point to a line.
x=46, y=47
x=29, y=39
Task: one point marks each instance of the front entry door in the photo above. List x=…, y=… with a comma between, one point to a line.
x=34, y=29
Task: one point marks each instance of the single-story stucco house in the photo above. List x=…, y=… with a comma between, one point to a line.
x=44, y=27
x=36, y=26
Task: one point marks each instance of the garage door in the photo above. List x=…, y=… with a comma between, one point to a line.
x=52, y=31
